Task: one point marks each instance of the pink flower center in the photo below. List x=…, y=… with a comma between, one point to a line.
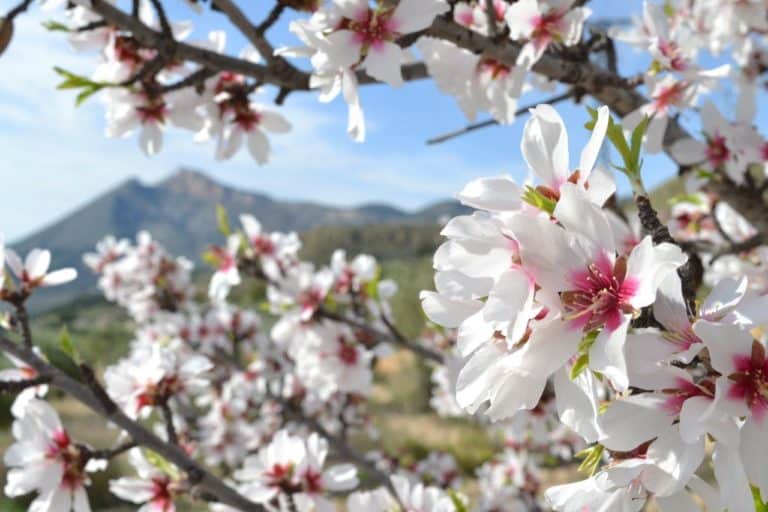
x=247, y=120
x=685, y=390
x=371, y=28
x=162, y=500
x=668, y=96
x=348, y=354
x=601, y=295
x=263, y=245
x=750, y=381
x=313, y=482
x=672, y=52
x=152, y=112
x=717, y=151
x=493, y=68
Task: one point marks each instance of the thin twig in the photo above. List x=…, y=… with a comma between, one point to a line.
x=272, y=18
x=170, y=428
x=165, y=25
x=493, y=122
x=113, y=452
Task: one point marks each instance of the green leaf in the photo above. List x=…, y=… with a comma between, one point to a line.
x=85, y=94
x=636, y=142
x=579, y=366
x=55, y=26
x=760, y=505
x=372, y=286
x=66, y=345
x=616, y=136
x=63, y=361
x=160, y=462
x=587, y=341
x=73, y=81
x=457, y=501
x=539, y=200
x=222, y=219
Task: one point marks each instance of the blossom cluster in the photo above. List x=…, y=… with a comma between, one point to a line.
x=549, y=292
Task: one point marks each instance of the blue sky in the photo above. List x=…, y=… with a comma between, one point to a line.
x=55, y=157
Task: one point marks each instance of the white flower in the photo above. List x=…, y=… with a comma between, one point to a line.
x=33, y=272
x=44, y=459
x=152, y=488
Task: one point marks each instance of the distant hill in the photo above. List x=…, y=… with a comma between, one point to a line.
x=180, y=213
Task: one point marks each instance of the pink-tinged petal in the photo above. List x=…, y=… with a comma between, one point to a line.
x=383, y=63
x=670, y=309
x=726, y=295
x=520, y=16
x=478, y=377
x=229, y=143
x=14, y=262
x=545, y=146
x=274, y=122
x=735, y=491
x=580, y=215
x=473, y=333
x=511, y=300
x=353, y=9
x=414, y=15
x=678, y=502
x=728, y=401
x=550, y=346
x=726, y=343
x=37, y=263
x=548, y=251
x=258, y=146
x=630, y=422
x=654, y=137
x=61, y=276
x=672, y=463
x=343, y=48
x=578, y=403
x=446, y=312
x=571, y=25
x=754, y=452
x=151, y=138
x=649, y=265
x=607, y=354
x=492, y=194
x=591, y=151
x=600, y=185
x=514, y=393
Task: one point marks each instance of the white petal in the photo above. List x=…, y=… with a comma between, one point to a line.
x=383, y=63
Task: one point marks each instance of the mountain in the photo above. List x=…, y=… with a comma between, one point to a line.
x=180, y=213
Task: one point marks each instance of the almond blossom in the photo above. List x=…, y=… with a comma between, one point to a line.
x=44, y=459
x=542, y=22
x=33, y=271
x=152, y=488
x=354, y=32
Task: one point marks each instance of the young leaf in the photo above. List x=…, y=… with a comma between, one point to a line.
x=579, y=366
x=222, y=218
x=55, y=26
x=63, y=361
x=65, y=343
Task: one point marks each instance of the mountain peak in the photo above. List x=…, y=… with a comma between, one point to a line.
x=190, y=181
